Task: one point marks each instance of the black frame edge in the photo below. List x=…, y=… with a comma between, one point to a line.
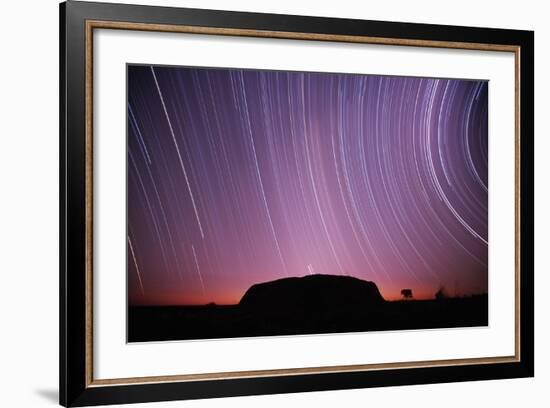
x=72, y=205
x=527, y=196
x=291, y=384
x=62, y=208
x=72, y=387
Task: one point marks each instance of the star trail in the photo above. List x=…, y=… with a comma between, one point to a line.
x=237, y=177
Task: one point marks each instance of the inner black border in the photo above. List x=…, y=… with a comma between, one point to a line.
x=72, y=298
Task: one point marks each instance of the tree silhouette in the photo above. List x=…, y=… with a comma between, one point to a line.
x=441, y=293
x=407, y=293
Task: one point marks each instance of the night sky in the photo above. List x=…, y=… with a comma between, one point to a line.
x=243, y=176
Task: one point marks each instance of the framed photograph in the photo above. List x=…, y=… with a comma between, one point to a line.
x=256, y=203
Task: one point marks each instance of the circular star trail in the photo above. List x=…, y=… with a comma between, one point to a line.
x=243, y=176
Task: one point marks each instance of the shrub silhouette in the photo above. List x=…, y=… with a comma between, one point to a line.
x=441, y=293
x=407, y=293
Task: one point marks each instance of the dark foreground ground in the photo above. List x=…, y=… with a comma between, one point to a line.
x=206, y=322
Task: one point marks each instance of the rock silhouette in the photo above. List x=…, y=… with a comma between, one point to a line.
x=312, y=304
x=312, y=292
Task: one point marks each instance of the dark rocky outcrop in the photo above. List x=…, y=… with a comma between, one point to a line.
x=312, y=292
x=314, y=304
x=310, y=305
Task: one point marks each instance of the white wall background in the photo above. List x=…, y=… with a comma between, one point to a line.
x=29, y=202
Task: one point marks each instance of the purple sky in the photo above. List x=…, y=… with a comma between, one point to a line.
x=243, y=176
